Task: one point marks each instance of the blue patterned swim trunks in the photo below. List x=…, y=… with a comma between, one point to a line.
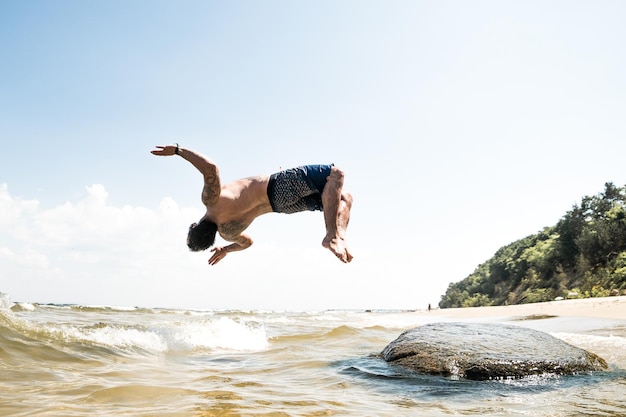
x=298, y=189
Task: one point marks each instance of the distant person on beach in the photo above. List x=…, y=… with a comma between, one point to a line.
x=231, y=208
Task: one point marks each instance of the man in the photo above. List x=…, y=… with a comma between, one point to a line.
x=231, y=208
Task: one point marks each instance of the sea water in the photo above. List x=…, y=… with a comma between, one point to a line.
x=71, y=360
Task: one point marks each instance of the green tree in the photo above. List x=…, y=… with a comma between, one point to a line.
x=585, y=249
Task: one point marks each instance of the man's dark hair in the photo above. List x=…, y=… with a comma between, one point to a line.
x=201, y=236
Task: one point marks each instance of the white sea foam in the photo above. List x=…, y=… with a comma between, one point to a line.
x=611, y=348
x=26, y=306
x=222, y=333
x=114, y=336
x=5, y=301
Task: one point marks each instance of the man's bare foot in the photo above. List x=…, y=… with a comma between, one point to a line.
x=337, y=247
x=349, y=255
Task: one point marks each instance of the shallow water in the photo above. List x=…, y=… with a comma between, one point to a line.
x=75, y=361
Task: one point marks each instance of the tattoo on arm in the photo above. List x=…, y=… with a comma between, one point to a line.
x=210, y=172
x=212, y=188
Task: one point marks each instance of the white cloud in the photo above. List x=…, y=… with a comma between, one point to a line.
x=88, y=250
x=91, y=252
x=11, y=209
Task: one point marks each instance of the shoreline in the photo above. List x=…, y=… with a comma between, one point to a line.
x=601, y=307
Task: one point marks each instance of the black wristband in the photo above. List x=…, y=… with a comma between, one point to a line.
x=176, y=150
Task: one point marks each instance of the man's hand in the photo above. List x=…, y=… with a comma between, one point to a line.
x=219, y=254
x=164, y=150
x=241, y=242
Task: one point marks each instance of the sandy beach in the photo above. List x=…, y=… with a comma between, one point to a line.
x=606, y=307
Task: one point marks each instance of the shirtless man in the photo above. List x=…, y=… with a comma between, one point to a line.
x=231, y=208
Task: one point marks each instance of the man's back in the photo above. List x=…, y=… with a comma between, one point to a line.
x=240, y=202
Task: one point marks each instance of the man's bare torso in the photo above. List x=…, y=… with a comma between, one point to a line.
x=239, y=203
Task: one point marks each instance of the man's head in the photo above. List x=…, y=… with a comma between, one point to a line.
x=201, y=235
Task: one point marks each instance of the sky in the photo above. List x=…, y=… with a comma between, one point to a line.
x=462, y=126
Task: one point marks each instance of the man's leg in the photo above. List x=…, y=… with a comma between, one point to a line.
x=336, y=215
x=344, y=213
x=344, y=218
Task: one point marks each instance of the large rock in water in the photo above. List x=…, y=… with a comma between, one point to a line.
x=486, y=351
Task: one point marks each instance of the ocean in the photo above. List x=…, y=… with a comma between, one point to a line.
x=72, y=360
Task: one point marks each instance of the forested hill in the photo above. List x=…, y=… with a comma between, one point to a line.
x=583, y=255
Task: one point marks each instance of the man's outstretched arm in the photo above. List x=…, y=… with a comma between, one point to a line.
x=241, y=242
x=208, y=169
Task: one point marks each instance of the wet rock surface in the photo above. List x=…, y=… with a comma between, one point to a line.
x=487, y=351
